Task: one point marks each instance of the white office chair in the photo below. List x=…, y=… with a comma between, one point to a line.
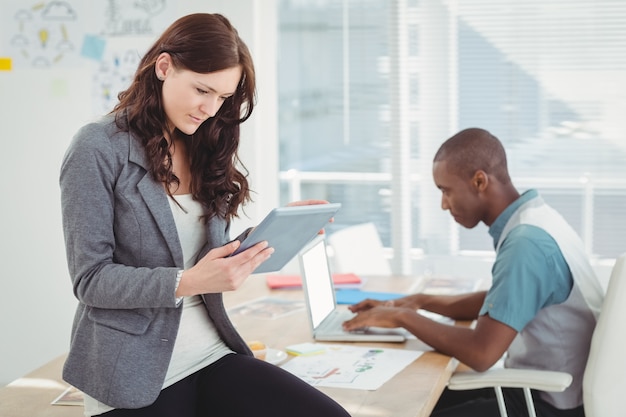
x=358, y=249
x=604, y=381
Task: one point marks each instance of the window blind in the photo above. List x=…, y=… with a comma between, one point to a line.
x=545, y=76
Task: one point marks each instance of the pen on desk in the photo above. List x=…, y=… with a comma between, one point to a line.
x=327, y=374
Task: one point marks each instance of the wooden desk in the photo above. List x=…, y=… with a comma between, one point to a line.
x=411, y=393
x=30, y=395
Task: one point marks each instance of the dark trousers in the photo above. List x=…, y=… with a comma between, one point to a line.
x=483, y=403
x=239, y=386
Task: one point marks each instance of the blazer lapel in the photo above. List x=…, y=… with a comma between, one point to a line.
x=155, y=197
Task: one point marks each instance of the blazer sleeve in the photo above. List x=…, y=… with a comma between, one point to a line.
x=118, y=257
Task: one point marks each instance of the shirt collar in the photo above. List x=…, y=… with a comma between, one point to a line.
x=498, y=226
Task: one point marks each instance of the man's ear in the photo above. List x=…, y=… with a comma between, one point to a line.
x=480, y=180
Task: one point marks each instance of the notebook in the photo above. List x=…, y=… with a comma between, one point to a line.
x=325, y=317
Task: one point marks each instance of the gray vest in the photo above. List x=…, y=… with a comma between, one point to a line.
x=559, y=336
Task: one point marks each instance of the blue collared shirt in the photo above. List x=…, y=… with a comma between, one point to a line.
x=529, y=273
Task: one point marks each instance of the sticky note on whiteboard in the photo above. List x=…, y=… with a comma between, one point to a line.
x=93, y=47
x=5, y=64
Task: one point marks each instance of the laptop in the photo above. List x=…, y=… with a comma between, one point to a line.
x=325, y=317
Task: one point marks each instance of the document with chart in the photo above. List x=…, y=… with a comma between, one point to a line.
x=356, y=367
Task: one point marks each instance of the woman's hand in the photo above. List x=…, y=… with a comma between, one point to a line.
x=307, y=202
x=217, y=271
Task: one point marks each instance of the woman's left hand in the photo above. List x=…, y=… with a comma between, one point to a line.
x=307, y=202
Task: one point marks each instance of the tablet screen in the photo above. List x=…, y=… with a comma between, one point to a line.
x=288, y=230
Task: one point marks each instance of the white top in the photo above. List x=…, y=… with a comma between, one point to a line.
x=197, y=343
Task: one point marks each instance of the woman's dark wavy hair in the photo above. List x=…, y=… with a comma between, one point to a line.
x=201, y=43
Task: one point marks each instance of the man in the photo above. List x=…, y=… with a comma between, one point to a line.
x=544, y=299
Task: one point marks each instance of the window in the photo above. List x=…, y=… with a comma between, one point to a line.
x=546, y=77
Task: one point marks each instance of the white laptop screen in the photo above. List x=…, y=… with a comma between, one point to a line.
x=318, y=282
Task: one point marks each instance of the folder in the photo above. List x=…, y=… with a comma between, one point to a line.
x=284, y=281
x=354, y=296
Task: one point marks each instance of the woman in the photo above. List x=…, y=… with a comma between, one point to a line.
x=148, y=193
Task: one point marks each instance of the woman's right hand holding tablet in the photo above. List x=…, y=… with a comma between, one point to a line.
x=217, y=271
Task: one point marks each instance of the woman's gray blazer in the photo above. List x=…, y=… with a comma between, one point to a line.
x=123, y=253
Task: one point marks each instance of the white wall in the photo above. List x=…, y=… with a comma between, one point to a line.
x=40, y=110
x=36, y=301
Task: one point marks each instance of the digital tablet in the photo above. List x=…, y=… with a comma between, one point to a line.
x=288, y=230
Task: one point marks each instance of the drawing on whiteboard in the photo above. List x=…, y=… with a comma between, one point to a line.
x=124, y=18
x=43, y=34
x=113, y=74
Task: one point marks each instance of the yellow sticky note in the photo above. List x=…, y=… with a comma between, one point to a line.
x=5, y=64
x=58, y=88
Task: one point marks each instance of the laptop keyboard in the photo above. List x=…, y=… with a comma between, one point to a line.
x=334, y=322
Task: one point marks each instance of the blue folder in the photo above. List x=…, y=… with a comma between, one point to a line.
x=355, y=296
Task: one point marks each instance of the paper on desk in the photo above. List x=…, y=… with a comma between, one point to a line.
x=71, y=396
x=448, y=285
x=267, y=308
x=348, y=366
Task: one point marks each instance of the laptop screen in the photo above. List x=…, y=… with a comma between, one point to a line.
x=317, y=281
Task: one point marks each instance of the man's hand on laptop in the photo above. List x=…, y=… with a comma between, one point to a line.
x=377, y=316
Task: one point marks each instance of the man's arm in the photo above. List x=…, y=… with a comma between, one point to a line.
x=457, y=307
x=479, y=347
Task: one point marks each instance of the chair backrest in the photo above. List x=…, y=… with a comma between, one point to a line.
x=604, y=381
x=358, y=249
